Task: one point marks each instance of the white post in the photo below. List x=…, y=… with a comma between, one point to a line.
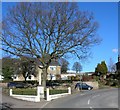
x=39, y=76
x=69, y=90
x=47, y=92
x=38, y=94
x=41, y=91
x=10, y=92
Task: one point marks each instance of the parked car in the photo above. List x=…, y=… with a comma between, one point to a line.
x=83, y=86
x=52, y=84
x=17, y=85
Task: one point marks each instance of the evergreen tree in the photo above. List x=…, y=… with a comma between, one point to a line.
x=8, y=67
x=104, y=68
x=7, y=73
x=101, y=68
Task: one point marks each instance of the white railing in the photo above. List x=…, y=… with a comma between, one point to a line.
x=55, y=96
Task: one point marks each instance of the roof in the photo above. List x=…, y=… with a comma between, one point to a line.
x=15, y=60
x=53, y=63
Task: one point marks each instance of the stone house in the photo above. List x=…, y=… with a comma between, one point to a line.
x=53, y=70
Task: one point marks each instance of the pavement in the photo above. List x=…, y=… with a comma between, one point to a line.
x=11, y=102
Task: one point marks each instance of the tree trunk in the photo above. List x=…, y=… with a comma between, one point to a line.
x=44, y=77
x=25, y=79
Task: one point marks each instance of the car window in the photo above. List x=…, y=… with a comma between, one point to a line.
x=84, y=84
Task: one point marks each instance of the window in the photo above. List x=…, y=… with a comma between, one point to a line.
x=52, y=68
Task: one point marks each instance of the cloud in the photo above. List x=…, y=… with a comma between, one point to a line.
x=114, y=50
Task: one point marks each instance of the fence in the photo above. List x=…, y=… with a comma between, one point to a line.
x=50, y=97
x=39, y=95
x=27, y=97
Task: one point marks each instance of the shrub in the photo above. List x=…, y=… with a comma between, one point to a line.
x=59, y=81
x=87, y=78
x=58, y=77
x=29, y=82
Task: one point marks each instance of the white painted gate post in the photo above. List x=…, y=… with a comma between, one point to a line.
x=69, y=90
x=10, y=92
x=41, y=91
x=38, y=93
x=48, y=96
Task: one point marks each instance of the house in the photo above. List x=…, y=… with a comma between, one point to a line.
x=1, y=77
x=53, y=70
x=70, y=73
x=65, y=76
x=89, y=73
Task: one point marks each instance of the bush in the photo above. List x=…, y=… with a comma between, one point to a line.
x=59, y=81
x=29, y=82
x=74, y=78
x=112, y=82
x=58, y=77
x=95, y=78
x=87, y=78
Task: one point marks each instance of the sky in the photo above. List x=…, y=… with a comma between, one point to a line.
x=106, y=14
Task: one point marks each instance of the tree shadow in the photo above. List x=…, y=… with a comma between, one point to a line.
x=6, y=106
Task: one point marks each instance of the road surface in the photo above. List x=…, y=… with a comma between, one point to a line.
x=107, y=98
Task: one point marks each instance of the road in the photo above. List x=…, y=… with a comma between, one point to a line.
x=104, y=98
x=107, y=98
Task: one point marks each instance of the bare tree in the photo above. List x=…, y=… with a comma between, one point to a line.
x=64, y=65
x=77, y=67
x=48, y=31
x=111, y=66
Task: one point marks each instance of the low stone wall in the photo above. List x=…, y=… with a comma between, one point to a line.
x=3, y=84
x=95, y=84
